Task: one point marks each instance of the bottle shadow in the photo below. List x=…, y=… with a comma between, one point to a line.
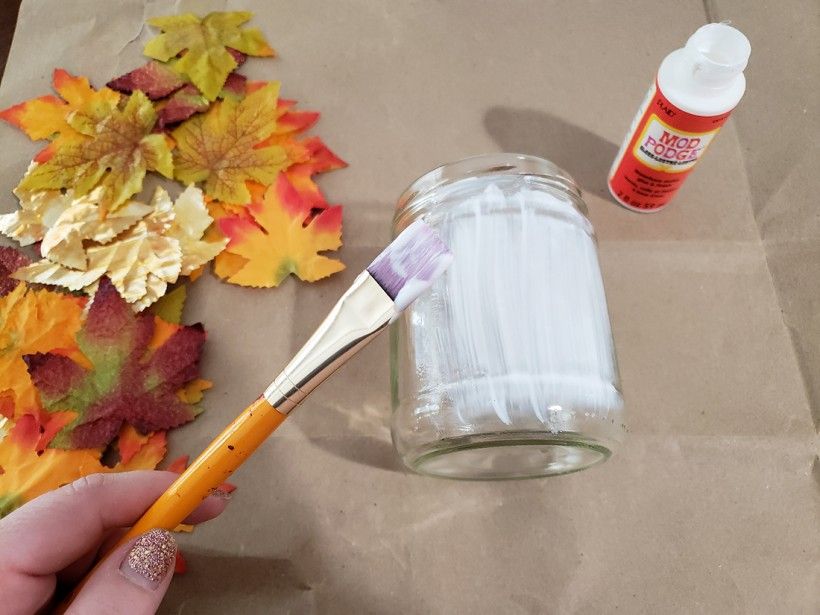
x=583, y=154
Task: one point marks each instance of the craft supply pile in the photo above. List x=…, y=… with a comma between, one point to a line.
x=95, y=363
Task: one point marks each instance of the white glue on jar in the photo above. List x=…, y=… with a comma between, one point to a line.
x=506, y=368
x=696, y=89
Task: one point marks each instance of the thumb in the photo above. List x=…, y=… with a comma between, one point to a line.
x=132, y=579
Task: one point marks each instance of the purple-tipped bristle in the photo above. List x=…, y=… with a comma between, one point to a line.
x=410, y=265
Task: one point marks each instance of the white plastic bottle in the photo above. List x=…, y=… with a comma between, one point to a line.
x=695, y=91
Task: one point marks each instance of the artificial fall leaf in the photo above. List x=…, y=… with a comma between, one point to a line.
x=127, y=383
x=180, y=464
x=63, y=242
x=169, y=307
x=292, y=120
x=35, y=430
x=273, y=240
x=193, y=392
x=148, y=456
x=6, y=406
x=182, y=105
x=154, y=79
x=207, y=44
x=188, y=101
x=221, y=147
x=197, y=273
x=115, y=153
x=33, y=321
x=129, y=442
x=180, y=565
x=140, y=248
x=319, y=160
x=10, y=261
x=191, y=220
x=141, y=262
x=37, y=213
x=46, y=117
x=27, y=473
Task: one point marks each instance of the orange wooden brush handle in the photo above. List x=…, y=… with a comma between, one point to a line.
x=216, y=463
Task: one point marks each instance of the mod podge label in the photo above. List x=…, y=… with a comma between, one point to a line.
x=663, y=148
x=663, y=145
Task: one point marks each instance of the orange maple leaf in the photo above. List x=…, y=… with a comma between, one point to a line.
x=275, y=237
x=26, y=473
x=113, y=151
x=33, y=321
x=46, y=117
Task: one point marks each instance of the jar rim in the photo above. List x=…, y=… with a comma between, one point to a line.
x=486, y=164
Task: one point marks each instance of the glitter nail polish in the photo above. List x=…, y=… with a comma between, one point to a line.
x=150, y=558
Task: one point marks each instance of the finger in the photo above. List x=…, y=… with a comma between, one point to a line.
x=54, y=530
x=74, y=572
x=133, y=579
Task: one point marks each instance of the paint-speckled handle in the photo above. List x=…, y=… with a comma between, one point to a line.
x=216, y=463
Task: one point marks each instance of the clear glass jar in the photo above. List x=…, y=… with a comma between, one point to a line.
x=506, y=369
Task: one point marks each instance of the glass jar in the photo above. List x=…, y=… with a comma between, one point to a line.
x=506, y=368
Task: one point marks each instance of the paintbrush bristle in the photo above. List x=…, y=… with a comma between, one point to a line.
x=410, y=265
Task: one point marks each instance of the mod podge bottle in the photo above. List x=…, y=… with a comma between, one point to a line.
x=695, y=91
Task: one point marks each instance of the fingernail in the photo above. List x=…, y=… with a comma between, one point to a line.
x=221, y=494
x=150, y=559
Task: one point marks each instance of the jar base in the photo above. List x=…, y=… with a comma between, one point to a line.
x=507, y=455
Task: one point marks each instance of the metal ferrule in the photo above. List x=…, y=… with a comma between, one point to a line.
x=362, y=312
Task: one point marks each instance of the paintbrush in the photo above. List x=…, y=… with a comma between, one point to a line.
x=402, y=272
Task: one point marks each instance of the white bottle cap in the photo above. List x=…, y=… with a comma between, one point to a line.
x=719, y=53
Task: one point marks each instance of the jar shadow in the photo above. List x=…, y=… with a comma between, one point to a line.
x=583, y=154
x=349, y=415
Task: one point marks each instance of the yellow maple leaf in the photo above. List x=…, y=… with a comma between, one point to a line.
x=194, y=391
x=115, y=153
x=46, y=117
x=33, y=321
x=205, y=61
x=141, y=248
x=275, y=237
x=221, y=146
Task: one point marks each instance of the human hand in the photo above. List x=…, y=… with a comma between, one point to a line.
x=56, y=538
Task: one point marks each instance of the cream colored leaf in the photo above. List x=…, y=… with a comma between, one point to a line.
x=63, y=242
x=141, y=248
x=38, y=212
x=191, y=220
x=46, y=272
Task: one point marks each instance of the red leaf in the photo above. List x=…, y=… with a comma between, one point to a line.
x=182, y=105
x=296, y=121
x=10, y=261
x=320, y=160
x=30, y=432
x=238, y=56
x=154, y=79
x=179, y=464
x=7, y=403
x=180, y=565
x=235, y=84
x=129, y=383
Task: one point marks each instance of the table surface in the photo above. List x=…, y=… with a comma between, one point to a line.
x=711, y=505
